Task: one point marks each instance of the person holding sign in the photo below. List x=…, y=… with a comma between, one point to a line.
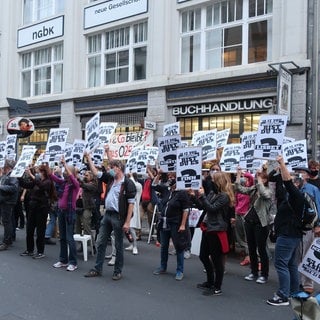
x=256, y=224
x=289, y=235
x=214, y=242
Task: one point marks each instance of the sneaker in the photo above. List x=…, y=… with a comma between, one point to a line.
x=204, y=285
x=116, y=276
x=250, y=277
x=187, y=254
x=179, y=276
x=108, y=256
x=3, y=247
x=278, y=301
x=112, y=261
x=159, y=271
x=72, y=267
x=261, y=280
x=26, y=254
x=130, y=248
x=60, y=264
x=135, y=251
x=212, y=291
x=38, y=256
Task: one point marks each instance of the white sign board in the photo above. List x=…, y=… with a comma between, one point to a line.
x=39, y=32
x=110, y=11
x=295, y=154
x=230, y=157
x=92, y=132
x=168, y=146
x=207, y=140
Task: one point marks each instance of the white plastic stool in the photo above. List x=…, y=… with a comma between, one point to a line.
x=84, y=240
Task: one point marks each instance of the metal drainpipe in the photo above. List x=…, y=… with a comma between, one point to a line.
x=312, y=104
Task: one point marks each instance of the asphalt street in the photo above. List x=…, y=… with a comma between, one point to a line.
x=33, y=289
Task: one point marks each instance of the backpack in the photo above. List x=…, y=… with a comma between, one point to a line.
x=310, y=213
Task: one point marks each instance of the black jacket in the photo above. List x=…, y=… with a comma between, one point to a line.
x=288, y=218
x=9, y=189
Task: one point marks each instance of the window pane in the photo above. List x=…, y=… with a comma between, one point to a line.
x=216, y=19
x=239, y=6
x=252, y=8
x=26, y=60
x=58, y=53
x=232, y=56
x=232, y=36
x=258, y=39
x=57, y=85
x=94, y=71
x=231, y=10
x=110, y=77
x=269, y=6
x=123, y=58
x=209, y=18
x=26, y=84
x=224, y=12
x=260, y=7
x=110, y=61
x=140, y=63
x=94, y=44
x=27, y=11
x=123, y=74
x=184, y=22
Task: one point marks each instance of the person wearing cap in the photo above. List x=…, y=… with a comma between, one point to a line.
x=9, y=189
x=301, y=181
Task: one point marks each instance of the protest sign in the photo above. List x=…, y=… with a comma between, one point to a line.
x=131, y=165
x=247, y=149
x=230, y=157
x=295, y=154
x=168, y=146
x=222, y=138
x=24, y=161
x=97, y=157
x=11, y=142
x=206, y=139
x=3, y=145
x=171, y=129
x=122, y=144
x=189, y=165
x=106, y=130
x=56, y=143
x=310, y=265
x=78, y=149
x=92, y=132
x=270, y=134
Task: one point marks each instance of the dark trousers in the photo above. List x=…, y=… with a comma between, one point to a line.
x=257, y=239
x=210, y=247
x=18, y=215
x=37, y=220
x=7, y=221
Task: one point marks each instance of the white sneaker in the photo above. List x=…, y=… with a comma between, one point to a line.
x=72, y=267
x=130, y=248
x=187, y=254
x=60, y=264
x=112, y=261
x=135, y=250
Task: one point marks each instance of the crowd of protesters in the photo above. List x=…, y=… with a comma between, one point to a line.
x=237, y=210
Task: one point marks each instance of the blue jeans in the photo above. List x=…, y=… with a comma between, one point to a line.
x=66, y=239
x=165, y=235
x=110, y=222
x=53, y=214
x=286, y=264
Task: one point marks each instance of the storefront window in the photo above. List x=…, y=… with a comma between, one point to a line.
x=238, y=123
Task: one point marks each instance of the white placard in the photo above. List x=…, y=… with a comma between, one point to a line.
x=92, y=132
x=295, y=154
x=247, y=149
x=230, y=157
x=56, y=143
x=207, y=140
x=168, y=146
x=24, y=161
x=171, y=129
x=106, y=130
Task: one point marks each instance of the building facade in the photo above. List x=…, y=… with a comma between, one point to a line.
x=207, y=64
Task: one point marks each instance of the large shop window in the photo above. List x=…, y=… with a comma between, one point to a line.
x=226, y=33
x=42, y=71
x=118, y=55
x=35, y=10
x=238, y=123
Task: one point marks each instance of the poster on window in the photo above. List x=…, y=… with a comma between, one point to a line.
x=171, y=129
x=56, y=143
x=78, y=149
x=247, y=149
x=295, y=154
x=284, y=92
x=3, y=145
x=189, y=165
x=24, y=161
x=11, y=141
x=311, y=262
x=230, y=157
x=106, y=130
x=270, y=134
x=168, y=146
x=207, y=140
x=122, y=144
x=222, y=138
x=92, y=132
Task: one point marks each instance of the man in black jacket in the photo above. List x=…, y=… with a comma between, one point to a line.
x=9, y=188
x=119, y=203
x=288, y=229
